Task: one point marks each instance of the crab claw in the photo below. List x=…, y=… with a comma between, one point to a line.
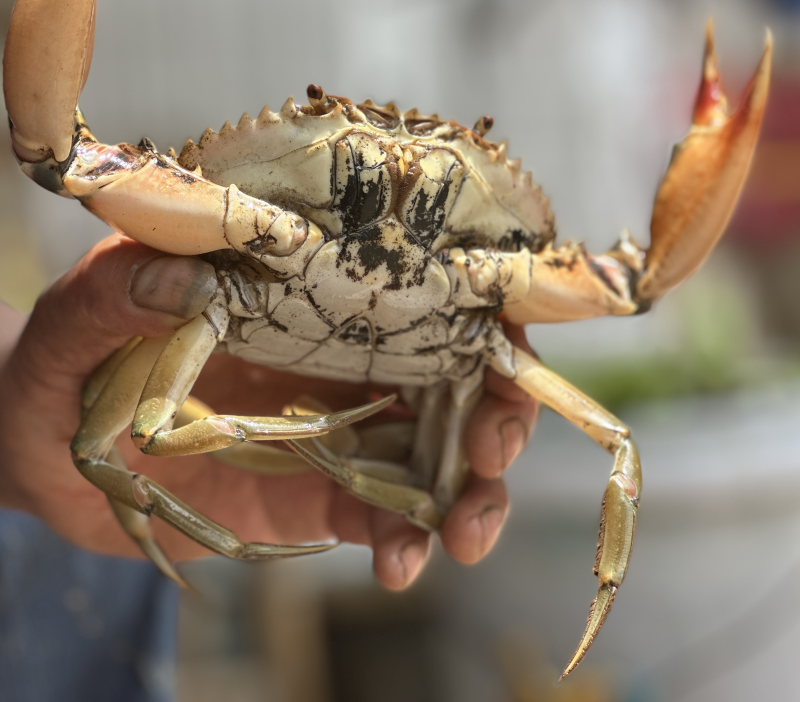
x=704, y=178
x=45, y=66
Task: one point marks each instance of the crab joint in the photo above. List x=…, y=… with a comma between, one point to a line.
x=479, y=277
x=141, y=493
x=281, y=240
x=257, y=228
x=569, y=284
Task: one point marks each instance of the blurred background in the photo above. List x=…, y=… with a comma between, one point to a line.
x=591, y=94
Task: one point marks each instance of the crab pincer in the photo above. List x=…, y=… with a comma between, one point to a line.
x=706, y=173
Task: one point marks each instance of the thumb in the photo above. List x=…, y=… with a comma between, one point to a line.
x=118, y=290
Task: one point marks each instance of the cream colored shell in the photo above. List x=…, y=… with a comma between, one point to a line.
x=377, y=284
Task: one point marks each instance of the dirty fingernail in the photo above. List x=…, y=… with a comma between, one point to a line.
x=513, y=434
x=412, y=557
x=180, y=286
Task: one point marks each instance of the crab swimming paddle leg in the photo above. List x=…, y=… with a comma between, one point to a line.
x=621, y=498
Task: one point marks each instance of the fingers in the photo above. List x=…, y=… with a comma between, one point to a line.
x=474, y=523
x=496, y=434
x=400, y=550
x=118, y=290
x=502, y=421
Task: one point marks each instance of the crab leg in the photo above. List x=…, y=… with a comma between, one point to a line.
x=136, y=524
x=171, y=379
x=377, y=482
x=92, y=449
x=377, y=450
x=426, y=451
x=692, y=207
x=453, y=467
x=255, y=457
x=359, y=478
x=147, y=381
x=621, y=498
x=103, y=373
x=388, y=485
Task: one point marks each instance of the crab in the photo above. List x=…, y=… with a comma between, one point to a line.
x=354, y=242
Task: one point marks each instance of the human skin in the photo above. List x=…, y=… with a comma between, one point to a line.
x=46, y=358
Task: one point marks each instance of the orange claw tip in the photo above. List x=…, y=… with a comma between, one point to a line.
x=711, y=105
x=710, y=108
x=756, y=94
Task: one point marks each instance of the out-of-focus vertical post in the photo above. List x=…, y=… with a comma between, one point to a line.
x=291, y=632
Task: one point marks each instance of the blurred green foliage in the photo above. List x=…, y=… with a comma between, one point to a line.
x=719, y=347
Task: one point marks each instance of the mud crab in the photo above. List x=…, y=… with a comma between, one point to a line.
x=354, y=242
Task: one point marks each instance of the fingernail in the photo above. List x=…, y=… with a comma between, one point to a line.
x=489, y=522
x=178, y=285
x=412, y=558
x=513, y=433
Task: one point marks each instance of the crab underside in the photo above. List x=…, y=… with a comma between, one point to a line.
x=360, y=243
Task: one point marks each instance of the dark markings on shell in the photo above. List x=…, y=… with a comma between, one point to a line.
x=430, y=213
x=358, y=332
x=515, y=240
x=364, y=183
x=112, y=160
x=368, y=250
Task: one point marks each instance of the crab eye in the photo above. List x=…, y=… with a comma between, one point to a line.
x=315, y=92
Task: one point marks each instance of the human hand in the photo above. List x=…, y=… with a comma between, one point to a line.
x=92, y=311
